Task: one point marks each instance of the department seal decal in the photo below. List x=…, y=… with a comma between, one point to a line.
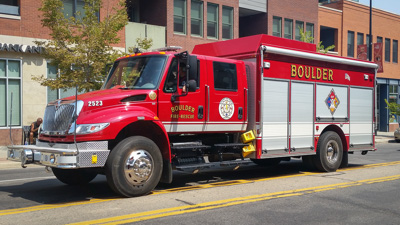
x=226, y=108
x=152, y=95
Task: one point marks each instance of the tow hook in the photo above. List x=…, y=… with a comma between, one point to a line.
x=364, y=152
x=26, y=157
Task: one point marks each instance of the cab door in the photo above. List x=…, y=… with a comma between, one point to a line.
x=186, y=114
x=226, y=96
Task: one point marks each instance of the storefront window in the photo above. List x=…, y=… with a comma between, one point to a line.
x=393, y=93
x=10, y=92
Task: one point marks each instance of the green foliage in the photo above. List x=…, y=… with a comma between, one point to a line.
x=394, y=108
x=142, y=44
x=305, y=36
x=81, y=46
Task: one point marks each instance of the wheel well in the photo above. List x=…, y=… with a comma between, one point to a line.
x=146, y=129
x=339, y=131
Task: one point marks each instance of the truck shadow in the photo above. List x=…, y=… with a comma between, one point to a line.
x=52, y=191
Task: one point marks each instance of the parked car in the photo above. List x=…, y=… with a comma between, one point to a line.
x=397, y=135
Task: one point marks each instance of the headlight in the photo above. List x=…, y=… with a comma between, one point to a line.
x=88, y=128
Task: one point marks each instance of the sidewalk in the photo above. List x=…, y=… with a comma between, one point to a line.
x=381, y=137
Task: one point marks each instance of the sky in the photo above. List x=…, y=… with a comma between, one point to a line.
x=392, y=6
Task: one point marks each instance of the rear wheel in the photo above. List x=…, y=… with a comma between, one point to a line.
x=74, y=176
x=329, y=152
x=134, y=166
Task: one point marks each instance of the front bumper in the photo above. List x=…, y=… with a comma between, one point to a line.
x=69, y=156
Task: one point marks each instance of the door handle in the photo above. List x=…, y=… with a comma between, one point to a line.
x=200, y=112
x=240, y=113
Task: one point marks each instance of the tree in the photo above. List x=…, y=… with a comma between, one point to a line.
x=141, y=43
x=394, y=109
x=305, y=36
x=81, y=45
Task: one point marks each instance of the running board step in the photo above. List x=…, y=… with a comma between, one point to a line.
x=195, y=168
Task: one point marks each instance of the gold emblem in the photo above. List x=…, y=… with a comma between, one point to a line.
x=152, y=95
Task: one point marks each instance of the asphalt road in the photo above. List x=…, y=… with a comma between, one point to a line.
x=367, y=192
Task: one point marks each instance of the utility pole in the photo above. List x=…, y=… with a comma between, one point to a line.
x=370, y=31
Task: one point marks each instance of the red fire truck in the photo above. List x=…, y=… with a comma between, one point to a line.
x=256, y=99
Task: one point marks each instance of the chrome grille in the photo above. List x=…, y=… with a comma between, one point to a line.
x=58, y=118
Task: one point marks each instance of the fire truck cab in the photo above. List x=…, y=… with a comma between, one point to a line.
x=259, y=97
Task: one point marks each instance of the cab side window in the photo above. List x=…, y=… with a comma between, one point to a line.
x=170, y=85
x=225, y=77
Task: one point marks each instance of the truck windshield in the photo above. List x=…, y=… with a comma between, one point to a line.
x=141, y=72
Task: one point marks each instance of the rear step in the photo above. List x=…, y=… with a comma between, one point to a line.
x=195, y=168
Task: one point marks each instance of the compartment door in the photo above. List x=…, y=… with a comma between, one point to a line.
x=274, y=111
x=361, y=116
x=302, y=117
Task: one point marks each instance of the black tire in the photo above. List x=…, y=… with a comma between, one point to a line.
x=267, y=162
x=134, y=166
x=329, y=152
x=308, y=162
x=345, y=160
x=74, y=176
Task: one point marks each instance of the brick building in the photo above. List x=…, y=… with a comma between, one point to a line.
x=346, y=25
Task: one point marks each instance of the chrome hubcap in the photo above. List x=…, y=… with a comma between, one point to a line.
x=138, y=167
x=332, y=151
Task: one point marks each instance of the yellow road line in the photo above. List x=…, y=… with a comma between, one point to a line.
x=51, y=206
x=136, y=217
x=197, y=187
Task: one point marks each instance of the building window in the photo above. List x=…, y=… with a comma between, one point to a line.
x=360, y=39
x=74, y=8
x=10, y=92
x=393, y=92
x=379, y=39
x=299, y=27
x=288, y=29
x=387, y=50
x=10, y=7
x=197, y=18
x=395, y=51
x=277, y=26
x=310, y=28
x=54, y=94
x=350, y=44
x=133, y=10
x=212, y=20
x=227, y=22
x=180, y=16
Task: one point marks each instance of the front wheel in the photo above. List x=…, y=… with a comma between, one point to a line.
x=74, y=176
x=134, y=166
x=329, y=152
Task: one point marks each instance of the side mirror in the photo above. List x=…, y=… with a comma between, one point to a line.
x=192, y=85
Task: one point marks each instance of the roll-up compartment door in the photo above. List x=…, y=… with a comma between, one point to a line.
x=302, y=117
x=361, y=116
x=275, y=116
